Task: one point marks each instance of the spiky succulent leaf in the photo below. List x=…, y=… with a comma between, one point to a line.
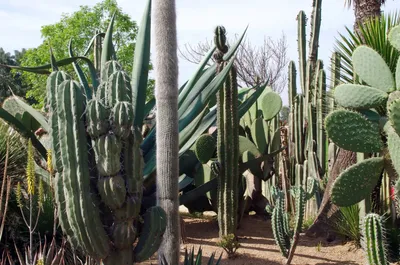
x=359, y=96
x=357, y=182
x=351, y=131
x=372, y=68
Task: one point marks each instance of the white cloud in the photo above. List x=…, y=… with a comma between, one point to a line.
x=21, y=21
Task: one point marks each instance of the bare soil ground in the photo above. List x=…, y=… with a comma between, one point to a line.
x=258, y=245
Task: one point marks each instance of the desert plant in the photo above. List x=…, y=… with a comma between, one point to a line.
x=230, y=244
x=285, y=238
x=374, y=240
x=373, y=111
x=191, y=260
x=226, y=167
x=346, y=222
x=35, y=194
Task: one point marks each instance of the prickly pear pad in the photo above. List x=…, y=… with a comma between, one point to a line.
x=351, y=131
x=359, y=96
x=356, y=183
x=372, y=68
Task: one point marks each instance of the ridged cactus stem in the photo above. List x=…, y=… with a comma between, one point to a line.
x=301, y=42
x=321, y=110
x=292, y=88
x=166, y=69
x=335, y=76
x=287, y=239
x=314, y=33
x=374, y=240
x=227, y=143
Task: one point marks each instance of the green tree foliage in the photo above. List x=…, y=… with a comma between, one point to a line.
x=81, y=26
x=8, y=79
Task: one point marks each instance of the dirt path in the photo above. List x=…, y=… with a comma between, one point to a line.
x=258, y=245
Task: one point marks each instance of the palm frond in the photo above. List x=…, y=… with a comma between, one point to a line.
x=373, y=34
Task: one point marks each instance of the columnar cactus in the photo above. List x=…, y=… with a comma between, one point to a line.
x=99, y=167
x=374, y=240
x=285, y=238
x=307, y=141
x=368, y=123
x=227, y=141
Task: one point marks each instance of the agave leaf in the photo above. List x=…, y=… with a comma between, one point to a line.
x=192, y=81
x=53, y=61
x=108, y=49
x=184, y=136
x=234, y=48
x=141, y=66
x=19, y=127
x=204, y=96
x=195, y=193
x=149, y=106
x=102, y=34
x=34, y=113
x=198, y=87
x=43, y=69
x=80, y=74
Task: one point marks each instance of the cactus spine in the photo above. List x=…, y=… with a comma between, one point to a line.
x=374, y=240
x=167, y=133
x=227, y=142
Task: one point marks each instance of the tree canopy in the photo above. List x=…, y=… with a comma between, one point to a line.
x=80, y=26
x=9, y=80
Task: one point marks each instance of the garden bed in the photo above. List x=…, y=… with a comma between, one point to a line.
x=258, y=245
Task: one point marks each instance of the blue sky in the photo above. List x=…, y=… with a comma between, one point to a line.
x=21, y=21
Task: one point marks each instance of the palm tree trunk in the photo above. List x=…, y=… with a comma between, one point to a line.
x=365, y=10
x=166, y=76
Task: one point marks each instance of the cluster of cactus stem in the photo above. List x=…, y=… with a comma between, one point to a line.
x=98, y=168
x=367, y=122
x=285, y=238
x=307, y=139
x=227, y=166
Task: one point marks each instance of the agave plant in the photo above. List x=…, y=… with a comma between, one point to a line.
x=191, y=260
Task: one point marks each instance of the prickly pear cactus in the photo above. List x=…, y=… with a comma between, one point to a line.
x=369, y=123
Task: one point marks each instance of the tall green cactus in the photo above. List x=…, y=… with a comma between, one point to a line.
x=227, y=141
x=116, y=173
x=285, y=238
x=307, y=141
x=368, y=123
x=374, y=240
x=99, y=168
